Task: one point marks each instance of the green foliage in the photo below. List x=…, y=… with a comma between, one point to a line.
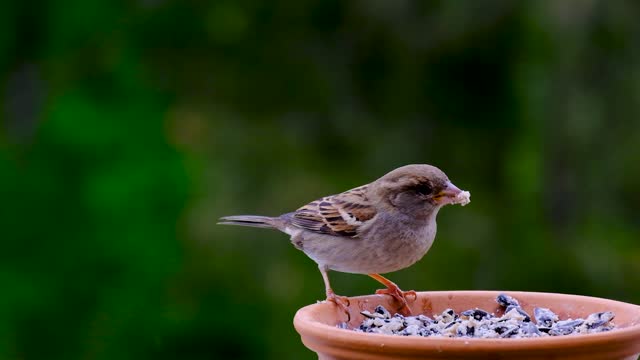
x=129, y=128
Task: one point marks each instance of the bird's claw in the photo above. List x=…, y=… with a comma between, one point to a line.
x=401, y=297
x=342, y=302
x=411, y=293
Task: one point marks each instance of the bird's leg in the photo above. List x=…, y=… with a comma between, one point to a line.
x=341, y=301
x=393, y=290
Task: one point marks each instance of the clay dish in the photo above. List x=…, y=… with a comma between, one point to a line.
x=317, y=327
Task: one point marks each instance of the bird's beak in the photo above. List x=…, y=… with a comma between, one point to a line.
x=448, y=195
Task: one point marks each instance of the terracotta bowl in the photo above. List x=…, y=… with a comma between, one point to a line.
x=317, y=327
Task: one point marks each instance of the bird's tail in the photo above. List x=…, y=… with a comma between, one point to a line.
x=251, y=220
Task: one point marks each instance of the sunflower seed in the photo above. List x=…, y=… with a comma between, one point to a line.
x=478, y=323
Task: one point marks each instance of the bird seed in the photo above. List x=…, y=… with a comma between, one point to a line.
x=477, y=323
x=463, y=198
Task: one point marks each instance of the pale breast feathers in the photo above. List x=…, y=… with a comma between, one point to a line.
x=339, y=215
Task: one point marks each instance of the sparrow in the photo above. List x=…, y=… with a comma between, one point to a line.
x=380, y=227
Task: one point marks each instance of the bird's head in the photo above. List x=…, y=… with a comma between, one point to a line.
x=418, y=190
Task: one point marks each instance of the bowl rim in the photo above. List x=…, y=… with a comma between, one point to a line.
x=306, y=325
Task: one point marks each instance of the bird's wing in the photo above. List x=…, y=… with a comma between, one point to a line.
x=340, y=215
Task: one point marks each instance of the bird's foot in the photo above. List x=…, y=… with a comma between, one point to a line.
x=341, y=301
x=400, y=296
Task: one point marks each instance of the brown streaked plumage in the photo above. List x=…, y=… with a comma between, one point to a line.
x=338, y=215
x=381, y=227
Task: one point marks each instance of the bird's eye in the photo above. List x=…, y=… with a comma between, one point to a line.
x=423, y=189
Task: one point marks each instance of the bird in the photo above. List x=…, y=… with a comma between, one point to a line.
x=382, y=227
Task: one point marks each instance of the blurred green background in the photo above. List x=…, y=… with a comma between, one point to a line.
x=128, y=128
